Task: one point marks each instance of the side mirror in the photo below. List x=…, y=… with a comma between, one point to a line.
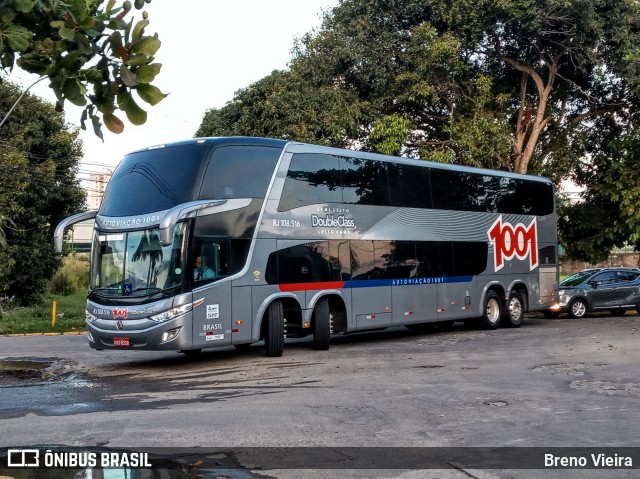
x=58, y=235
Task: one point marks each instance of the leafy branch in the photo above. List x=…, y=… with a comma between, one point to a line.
x=95, y=57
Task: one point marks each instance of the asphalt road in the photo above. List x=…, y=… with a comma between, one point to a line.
x=550, y=383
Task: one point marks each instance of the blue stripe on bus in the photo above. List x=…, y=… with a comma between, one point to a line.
x=372, y=283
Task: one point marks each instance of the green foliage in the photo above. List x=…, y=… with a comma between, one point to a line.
x=37, y=318
x=285, y=105
x=92, y=55
x=610, y=215
x=511, y=85
x=39, y=156
x=72, y=277
x=3, y=237
x=389, y=134
x=532, y=86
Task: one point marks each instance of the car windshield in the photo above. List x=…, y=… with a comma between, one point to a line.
x=135, y=264
x=578, y=278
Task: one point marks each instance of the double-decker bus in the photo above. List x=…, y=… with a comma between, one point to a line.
x=229, y=241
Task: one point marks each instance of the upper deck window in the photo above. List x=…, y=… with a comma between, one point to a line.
x=315, y=178
x=312, y=178
x=239, y=172
x=465, y=191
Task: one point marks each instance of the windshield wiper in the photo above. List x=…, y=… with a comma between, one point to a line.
x=103, y=289
x=153, y=289
x=159, y=292
x=98, y=291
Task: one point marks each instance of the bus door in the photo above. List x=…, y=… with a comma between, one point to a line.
x=370, y=294
x=212, y=317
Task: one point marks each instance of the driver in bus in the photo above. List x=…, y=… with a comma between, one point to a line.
x=201, y=271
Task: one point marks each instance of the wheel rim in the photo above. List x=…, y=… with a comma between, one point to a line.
x=493, y=310
x=515, y=309
x=579, y=308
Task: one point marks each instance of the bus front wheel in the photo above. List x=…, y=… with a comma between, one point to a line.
x=274, y=330
x=321, y=325
x=492, y=311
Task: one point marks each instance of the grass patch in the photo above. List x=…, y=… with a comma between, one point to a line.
x=37, y=319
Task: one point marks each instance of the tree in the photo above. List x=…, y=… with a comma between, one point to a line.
x=502, y=84
x=516, y=85
x=609, y=216
x=39, y=157
x=531, y=86
x=94, y=57
x=3, y=237
x=282, y=105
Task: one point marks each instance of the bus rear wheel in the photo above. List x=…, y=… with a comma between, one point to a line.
x=492, y=311
x=322, y=325
x=274, y=330
x=514, y=312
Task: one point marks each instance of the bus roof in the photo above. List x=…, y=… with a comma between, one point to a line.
x=298, y=147
x=222, y=141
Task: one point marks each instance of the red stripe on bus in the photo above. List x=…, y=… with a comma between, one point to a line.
x=311, y=286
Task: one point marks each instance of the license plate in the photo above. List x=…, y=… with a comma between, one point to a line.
x=121, y=342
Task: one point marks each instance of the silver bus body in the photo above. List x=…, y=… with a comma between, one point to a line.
x=339, y=241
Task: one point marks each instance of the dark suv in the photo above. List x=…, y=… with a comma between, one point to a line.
x=599, y=289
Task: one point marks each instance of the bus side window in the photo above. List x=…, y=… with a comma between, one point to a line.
x=312, y=178
x=210, y=254
x=305, y=263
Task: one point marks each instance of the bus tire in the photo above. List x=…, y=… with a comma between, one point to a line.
x=492, y=311
x=322, y=325
x=274, y=331
x=514, y=311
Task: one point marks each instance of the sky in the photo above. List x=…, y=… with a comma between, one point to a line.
x=210, y=49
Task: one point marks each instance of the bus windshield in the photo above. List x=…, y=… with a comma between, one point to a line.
x=134, y=264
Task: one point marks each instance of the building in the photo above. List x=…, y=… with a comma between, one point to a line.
x=97, y=185
x=79, y=237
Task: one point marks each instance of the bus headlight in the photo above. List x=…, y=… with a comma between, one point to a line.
x=175, y=312
x=90, y=318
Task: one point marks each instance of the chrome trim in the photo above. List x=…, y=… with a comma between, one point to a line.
x=171, y=217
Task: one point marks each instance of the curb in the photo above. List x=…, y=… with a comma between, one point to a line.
x=66, y=333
